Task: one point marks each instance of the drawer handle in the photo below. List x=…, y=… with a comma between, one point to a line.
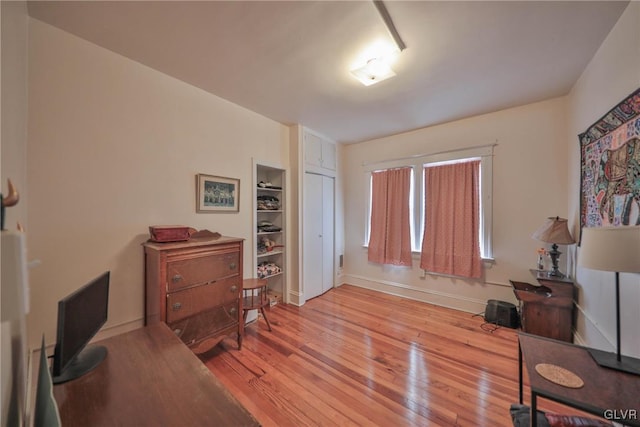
x=233, y=288
x=176, y=306
x=176, y=278
x=232, y=310
x=232, y=266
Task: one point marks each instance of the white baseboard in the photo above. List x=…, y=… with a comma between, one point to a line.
x=587, y=327
x=443, y=299
x=295, y=298
x=121, y=328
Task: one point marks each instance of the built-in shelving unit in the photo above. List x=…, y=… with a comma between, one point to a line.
x=270, y=229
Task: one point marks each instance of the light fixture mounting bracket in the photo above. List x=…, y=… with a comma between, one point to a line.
x=386, y=18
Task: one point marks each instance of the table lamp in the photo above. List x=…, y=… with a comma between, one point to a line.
x=612, y=249
x=556, y=232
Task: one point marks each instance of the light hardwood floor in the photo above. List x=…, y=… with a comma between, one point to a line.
x=358, y=357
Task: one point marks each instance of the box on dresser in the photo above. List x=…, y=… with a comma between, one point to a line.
x=196, y=288
x=169, y=233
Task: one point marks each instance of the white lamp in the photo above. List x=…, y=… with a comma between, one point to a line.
x=612, y=249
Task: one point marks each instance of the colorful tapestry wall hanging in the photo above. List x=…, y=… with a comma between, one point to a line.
x=610, y=167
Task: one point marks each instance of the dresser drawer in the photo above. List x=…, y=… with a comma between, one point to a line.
x=195, y=271
x=188, y=302
x=205, y=324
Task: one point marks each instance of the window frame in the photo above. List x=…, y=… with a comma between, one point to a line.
x=417, y=163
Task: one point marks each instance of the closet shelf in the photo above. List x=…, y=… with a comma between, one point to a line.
x=272, y=275
x=266, y=254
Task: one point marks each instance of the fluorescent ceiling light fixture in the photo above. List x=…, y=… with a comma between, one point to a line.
x=374, y=71
x=374, y=64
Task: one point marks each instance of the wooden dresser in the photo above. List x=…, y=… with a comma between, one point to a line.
x=196, y=288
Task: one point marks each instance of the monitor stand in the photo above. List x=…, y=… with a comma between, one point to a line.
x=85, y=361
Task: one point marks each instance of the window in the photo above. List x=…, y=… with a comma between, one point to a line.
x=417, y=201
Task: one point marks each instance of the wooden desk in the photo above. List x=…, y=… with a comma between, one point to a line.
x=546, y=309
x=149, y=378
x=605, y=390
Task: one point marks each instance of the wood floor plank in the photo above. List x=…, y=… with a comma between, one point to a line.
x=354, y=356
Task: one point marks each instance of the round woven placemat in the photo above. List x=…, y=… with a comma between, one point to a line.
x=559, y=375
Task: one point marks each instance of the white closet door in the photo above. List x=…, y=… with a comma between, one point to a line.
x=318, y=235
x=327, y=233
x=312, y=246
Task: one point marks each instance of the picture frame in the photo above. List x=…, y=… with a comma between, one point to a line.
x=217, y=194
x=609, y=159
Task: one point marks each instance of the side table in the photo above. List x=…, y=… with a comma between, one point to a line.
x=254, y=297
x=606, y=393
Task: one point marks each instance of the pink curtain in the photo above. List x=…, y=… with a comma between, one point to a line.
x=390, y=237
x=450, y=244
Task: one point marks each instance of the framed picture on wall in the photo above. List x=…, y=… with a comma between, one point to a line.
x=217, y=194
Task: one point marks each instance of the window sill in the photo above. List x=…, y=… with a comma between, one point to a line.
x=416, y=255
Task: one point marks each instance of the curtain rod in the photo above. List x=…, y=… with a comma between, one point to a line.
x=417, y=156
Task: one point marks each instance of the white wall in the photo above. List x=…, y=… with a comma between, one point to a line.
x=114, y=147
x=529, y=185
x=13, y=350
x=14, y=107
x=612, y=74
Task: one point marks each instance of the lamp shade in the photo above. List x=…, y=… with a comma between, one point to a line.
x=611, y=249
x=554, y=230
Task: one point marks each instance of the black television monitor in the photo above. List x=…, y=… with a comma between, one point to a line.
x=80, y=316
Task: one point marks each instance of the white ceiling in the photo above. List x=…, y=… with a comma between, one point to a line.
x=290, y=60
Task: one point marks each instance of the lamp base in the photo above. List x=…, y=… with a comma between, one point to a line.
x=609, y=360
x=554, y=253
x=554, y=273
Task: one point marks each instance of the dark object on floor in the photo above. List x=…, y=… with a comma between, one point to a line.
x=502, y=313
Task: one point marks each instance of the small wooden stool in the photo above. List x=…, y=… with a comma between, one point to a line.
x=254, y=297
